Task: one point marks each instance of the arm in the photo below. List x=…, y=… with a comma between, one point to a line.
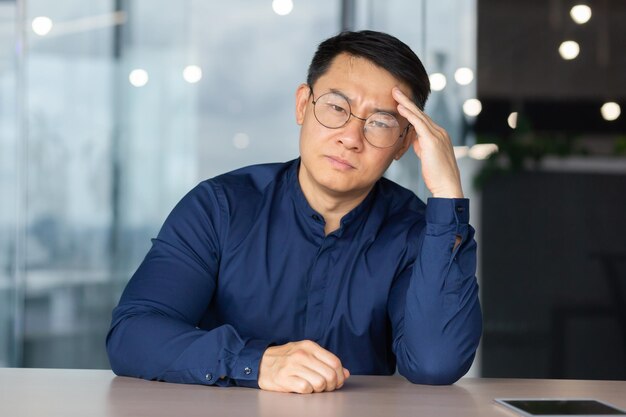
x=434, y=305
x=154, y=333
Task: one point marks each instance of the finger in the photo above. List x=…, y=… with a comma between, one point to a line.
x=316, y=379
x=413, y=109
x=420, y=124
x=346, y=375
x=296, y=384
x=435, y=134
x=403, y=99
x=408, y=104
x=331, y=380
x=333, y=362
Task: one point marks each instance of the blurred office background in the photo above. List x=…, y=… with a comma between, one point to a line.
x=111, y=110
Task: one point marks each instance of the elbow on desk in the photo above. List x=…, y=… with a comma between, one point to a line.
x=116, y=354
x=435, y=372
x=125, y=355
x=125, y=362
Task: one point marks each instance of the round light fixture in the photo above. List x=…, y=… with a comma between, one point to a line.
x=581, y=13
x=569, y=50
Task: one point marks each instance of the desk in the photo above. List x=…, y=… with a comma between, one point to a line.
x=87, y=393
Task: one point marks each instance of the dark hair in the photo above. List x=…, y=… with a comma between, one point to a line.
x=381, y=49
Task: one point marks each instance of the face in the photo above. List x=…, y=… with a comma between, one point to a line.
x=340, y=162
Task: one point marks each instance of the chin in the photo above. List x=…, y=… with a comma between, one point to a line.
x=341, y=187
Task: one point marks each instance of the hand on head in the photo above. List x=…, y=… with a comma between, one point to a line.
x=433, y=147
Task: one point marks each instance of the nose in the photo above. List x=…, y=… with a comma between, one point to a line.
x=351, y=135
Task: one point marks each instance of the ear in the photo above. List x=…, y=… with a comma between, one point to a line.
x=407, y=140
x=302, y=98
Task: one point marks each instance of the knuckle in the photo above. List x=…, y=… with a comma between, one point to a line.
x=309, y=344
x=299, y=354
x=303, y=387
x=335, y=363
x=319, y=385
x=333, y=378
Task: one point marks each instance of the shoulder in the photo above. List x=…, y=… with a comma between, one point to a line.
x=250, y=179
x=241, y=193
x=243, y=186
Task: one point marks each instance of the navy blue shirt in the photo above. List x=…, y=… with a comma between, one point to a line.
x=243, y=263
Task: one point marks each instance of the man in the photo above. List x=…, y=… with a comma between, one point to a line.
x=292, y=276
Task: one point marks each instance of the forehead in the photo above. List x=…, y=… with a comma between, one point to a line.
x=360, y=78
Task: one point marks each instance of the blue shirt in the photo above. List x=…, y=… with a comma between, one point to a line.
x=242, y=263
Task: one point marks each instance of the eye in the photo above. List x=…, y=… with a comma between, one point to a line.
x=378, y=124
x=336, y=108
x=382, y=121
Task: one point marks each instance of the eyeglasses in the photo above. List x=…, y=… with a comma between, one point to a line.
x=381, y=129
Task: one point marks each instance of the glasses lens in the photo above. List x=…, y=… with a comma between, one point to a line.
x=382, y=129
x=332, y=110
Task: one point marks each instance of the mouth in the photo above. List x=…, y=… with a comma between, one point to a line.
x=339, y=163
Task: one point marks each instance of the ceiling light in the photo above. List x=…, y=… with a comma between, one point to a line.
x=569, y=50
x=610, y=111
x=512, y=120
x=472, y=107
x=192, y=74
x=42, y=25
x=282, y=7
x=138, y=77
x=580, y=13
x=464, y=76
x=437, y=81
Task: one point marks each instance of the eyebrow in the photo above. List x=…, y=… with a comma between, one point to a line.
x=376, y=110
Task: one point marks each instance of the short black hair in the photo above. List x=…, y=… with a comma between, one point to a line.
x=381, y=49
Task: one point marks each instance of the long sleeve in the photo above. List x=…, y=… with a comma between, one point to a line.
x=433, y=305
x=155, y=331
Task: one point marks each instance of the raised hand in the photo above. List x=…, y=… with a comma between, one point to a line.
x=433, y=147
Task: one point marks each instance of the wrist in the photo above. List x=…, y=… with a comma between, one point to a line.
x=458, y=193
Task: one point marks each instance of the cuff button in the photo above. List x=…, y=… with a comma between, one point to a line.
x=247, y=371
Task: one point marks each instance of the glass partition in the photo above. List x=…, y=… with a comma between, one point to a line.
x=124, y=106
x=130, y=104
x=9, y=177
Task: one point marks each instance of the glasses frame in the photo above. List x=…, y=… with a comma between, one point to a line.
x=404, y=132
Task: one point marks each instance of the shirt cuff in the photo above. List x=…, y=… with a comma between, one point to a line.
x=246, y=369
x=447, y=211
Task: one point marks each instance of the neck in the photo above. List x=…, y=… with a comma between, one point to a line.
x=332, y=205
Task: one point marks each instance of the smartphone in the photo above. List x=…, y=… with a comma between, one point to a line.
x=560, y=407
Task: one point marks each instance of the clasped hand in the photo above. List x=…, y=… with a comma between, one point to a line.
x=303, y=367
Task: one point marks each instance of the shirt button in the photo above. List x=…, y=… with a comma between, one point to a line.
x=460, y=209
x=247, y=371
x=208, y=377
x=316, y=217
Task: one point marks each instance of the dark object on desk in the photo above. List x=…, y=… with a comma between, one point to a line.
x=557, y=407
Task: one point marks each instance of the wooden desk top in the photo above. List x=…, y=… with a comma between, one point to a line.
x=87, y=393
